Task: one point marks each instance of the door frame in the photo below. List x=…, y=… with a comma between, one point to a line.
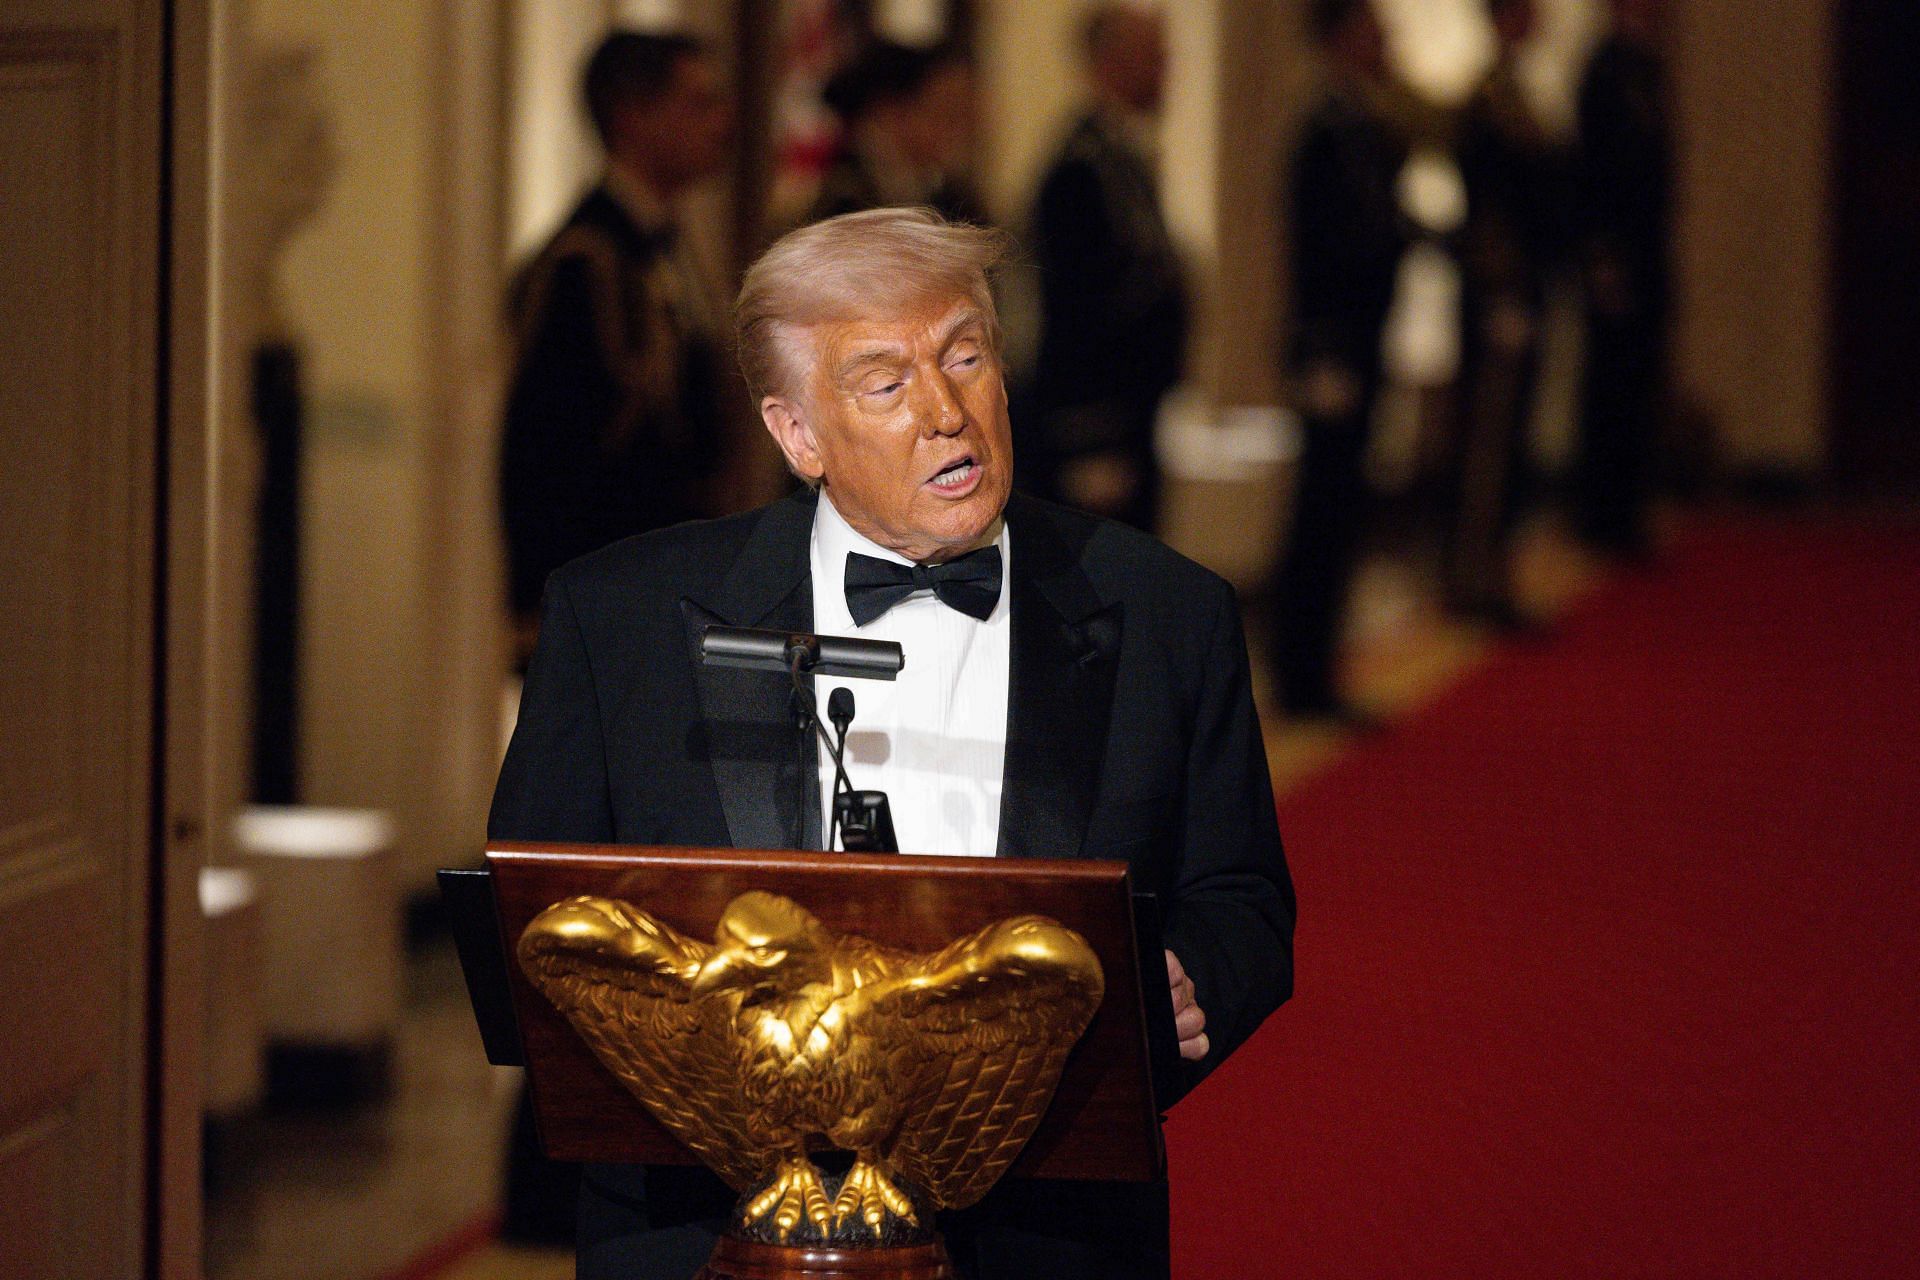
x=185, y=812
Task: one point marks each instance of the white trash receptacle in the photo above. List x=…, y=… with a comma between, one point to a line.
x=330, y=911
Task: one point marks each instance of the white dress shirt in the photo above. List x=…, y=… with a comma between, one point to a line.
x=934, y=739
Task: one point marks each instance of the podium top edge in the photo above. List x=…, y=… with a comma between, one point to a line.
x=554, y=854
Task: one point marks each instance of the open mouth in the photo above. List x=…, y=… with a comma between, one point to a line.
x=957, y=476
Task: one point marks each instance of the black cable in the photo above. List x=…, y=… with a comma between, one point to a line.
x=797, y=662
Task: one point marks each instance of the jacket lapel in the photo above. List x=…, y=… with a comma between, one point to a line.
x=764, y=768
x=1065, y=652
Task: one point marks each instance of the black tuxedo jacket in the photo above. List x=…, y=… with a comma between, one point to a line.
x=1131, y=735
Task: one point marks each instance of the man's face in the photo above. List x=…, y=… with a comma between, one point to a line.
x=937, y=125
x=1134, y=59
x=903, y=419
x=683, y=135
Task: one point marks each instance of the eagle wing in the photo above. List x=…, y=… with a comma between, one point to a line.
x=621, y=979
x=981, y=1029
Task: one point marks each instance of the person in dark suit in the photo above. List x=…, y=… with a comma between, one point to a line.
x=1113, y=300
x=1084, y=694
x=1347, y=236
x=908, y=118
x=614, y=419
x=614, y=415
x=1516, y=217
x=1626, y=179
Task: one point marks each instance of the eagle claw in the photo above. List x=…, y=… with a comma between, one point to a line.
x=794, y=1193
x=869, y=1195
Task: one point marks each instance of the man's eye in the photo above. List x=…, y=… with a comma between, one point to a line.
x=885, y=388
x=967, y=362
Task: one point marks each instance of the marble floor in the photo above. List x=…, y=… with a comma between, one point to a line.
x=363, y=1192
x=407, y=1189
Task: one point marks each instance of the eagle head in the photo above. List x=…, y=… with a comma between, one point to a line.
x=765, y=943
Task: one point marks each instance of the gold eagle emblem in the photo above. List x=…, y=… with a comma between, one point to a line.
x=932, y=1070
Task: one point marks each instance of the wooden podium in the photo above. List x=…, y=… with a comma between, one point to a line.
x=1103, y=1123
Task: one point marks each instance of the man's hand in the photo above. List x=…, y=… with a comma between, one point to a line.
x=1188, y=1022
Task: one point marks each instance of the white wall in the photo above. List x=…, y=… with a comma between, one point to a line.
x=1030, y=88
x=552, y=154
x=392, y=293
x=354, y=291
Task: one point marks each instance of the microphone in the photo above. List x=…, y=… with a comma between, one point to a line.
x=840, y=711
x=863, y=820
x=754, y=649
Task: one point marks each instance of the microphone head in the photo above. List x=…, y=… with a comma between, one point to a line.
x=840, y=708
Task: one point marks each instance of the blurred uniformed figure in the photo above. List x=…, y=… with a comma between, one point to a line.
x=1516, y=215
x=1625, y=157
x=614, y=421
x=1113, y=303
x=908, y=115
x=1347, y=236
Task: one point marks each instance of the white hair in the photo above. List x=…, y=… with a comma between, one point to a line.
x=852, y=266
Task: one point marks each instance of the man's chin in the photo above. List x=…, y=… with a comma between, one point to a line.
x=951, y=540
x=974, y=522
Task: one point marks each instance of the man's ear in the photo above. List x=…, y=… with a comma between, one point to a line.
x=787, y=424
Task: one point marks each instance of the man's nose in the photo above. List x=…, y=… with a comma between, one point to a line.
x=940, y=412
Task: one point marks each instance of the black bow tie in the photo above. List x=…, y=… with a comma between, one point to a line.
x=969, y=583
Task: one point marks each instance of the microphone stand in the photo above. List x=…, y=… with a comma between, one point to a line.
x=800, y=660
x=840, y=711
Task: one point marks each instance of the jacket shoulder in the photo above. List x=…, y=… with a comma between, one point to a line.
x=596, y=231
x=672, y=561
x=1122, y=562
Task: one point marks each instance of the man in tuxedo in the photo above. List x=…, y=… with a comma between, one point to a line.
x=615, y=413
x=1072, y=689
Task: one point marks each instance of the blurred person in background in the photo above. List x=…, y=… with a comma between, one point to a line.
x=908, y=116
x=1625, y=190
x=1113, y=303
x=614, y=417
x=1347, y=238
x=1516, y=216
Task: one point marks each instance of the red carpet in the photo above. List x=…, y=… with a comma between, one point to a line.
x=1608, y=961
